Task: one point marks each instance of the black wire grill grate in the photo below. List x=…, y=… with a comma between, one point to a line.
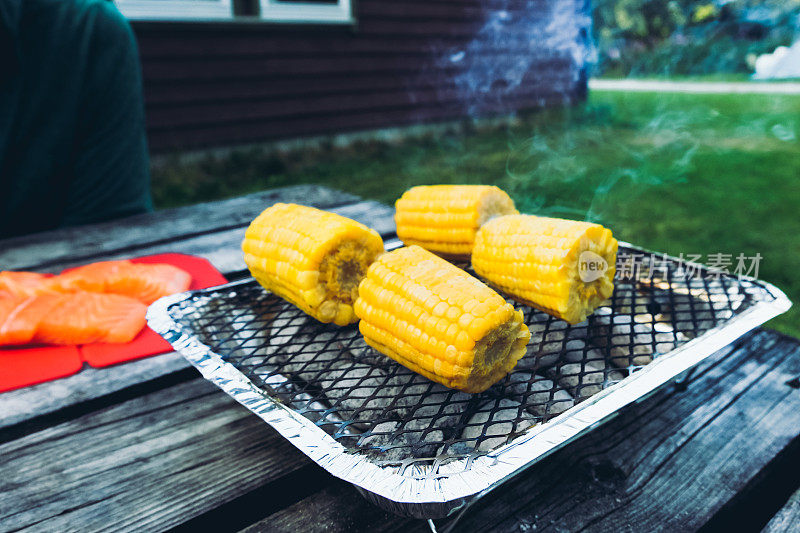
x=372, y=405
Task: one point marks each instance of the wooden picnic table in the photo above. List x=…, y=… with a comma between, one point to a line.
x=150, y=445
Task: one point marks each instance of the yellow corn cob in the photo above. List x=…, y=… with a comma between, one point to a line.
x=439, y=321
x=563, y=267
x=444, y=218
x=312, y=258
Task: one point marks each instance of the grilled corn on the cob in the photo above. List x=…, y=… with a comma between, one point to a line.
x=312, y=258
x=444, y=218
x=563, y=267
x=439, y=321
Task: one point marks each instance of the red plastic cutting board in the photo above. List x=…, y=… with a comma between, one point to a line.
x=149, y=342
x=20, y=367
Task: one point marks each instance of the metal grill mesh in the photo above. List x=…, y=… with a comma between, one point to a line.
x=372, y=405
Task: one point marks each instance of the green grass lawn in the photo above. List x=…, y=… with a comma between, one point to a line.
x=692, y=174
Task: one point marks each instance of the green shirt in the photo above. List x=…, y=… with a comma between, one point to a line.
x=72, y=138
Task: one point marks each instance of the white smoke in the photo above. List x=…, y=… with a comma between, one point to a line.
x=511, y=43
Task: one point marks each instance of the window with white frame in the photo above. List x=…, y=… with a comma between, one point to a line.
x=176, y=9
x=306, y=10
x=287, y=11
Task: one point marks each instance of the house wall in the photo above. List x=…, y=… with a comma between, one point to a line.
x=404, y=62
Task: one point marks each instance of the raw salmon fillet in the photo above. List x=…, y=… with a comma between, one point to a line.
x=148, y=282
x=99, y=302
x=85, y=317
x=22, y=284
x=21, y=322
x=144, y=282
x=8, y=302
x=92, y=277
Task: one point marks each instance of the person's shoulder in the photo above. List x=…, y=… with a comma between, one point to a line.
x=98, y=16
x=103, y=12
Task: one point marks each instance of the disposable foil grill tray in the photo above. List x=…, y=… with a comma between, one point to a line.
x=419, y=448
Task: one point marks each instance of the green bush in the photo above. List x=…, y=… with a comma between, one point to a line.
x=689, y=37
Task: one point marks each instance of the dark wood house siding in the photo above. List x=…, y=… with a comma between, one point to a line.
x=404, y=62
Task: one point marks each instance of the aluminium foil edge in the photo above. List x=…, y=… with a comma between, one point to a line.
x=419, y=491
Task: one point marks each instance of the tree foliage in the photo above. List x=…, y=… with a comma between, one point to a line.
x=689, y=37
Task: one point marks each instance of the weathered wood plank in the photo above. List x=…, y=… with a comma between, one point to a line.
x=668, y=463
x=55, y=248
x=90, y=383
x=223, y=248
x=337, y=508
x=788, y=518
x=146, y=464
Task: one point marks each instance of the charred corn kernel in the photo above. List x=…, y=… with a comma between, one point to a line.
x=312, y=258
x=563, y=267
x=411, y=305
x=444, y=218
